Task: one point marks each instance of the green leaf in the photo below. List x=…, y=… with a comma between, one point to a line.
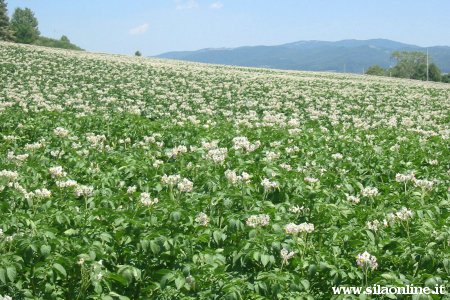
x=71, y=232
x=217, y=236
x=253, y=233
x=3, y=275
x=118, y=296
x=154, y=247
x=11, y=272
x=127, y=274
x=349, y=188
x=98, y=288
x=60, y=269
x=45, y=250
x=136, y=273
x=265, y=259
x=446, y=263
x=371, y=236
x=176, y=215
x=256, y=256
x=166, y=278
x=179, y=282
x=388, y=276
x=119, y=278
x=305, y=284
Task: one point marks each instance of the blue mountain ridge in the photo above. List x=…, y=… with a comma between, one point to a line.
x=352, y=56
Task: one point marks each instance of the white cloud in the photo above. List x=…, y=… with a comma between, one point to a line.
x=216, y=5
x=186, y=4
x=139, y=29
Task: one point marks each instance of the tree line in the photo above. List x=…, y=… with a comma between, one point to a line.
x=412, y=65
x=23, y=28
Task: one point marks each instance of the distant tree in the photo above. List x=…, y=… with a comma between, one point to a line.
x=5, y=31
x=24, y=26
x=65, y=39
x=446, y=78
x=434, y=73
x=137, y=53
x=410, y=65
x=376, y=70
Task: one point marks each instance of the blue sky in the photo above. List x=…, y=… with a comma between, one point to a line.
x=156, y=26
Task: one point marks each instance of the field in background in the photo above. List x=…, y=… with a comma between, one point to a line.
x=134, y=178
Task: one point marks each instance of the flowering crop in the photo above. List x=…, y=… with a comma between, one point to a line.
x=135, y=178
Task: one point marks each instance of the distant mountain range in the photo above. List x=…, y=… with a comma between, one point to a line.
x=343, y=56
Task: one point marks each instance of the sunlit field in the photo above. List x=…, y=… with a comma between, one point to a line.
x=139, y=178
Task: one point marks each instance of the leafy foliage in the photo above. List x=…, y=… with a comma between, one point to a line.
x=434, y=73
x=446, y=78
x=24, y=26
x=410, y=65
x=376, y=70
x=414, y=65
x=63, y=43
x=5, y=32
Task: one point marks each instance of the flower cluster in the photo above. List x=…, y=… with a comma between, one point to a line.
x=271, y=156
x=217, y=155
x=17, y=159
x=146, y=200
x=286, y=255
x=97, y=141
x=297, y=209
x=61, y=132
x=202, y=219
x=57, y=172
x=353, y=199
x=337, y=156
x=34, y=146
x=185, y=185
x=243, y=143
x=401, y=215
x=84, y=191
x=404, y=177
x=258, y=220
x=311, y=180
x=10, y=175
x=366, y=261
x=171, y=179
x=67, y=183
x=269, y=185
x=176, y=151
x=424, y=184
x=42, y=193
x=293, y=228
x=369, y=192
x=234, y=179
x=131, y=189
